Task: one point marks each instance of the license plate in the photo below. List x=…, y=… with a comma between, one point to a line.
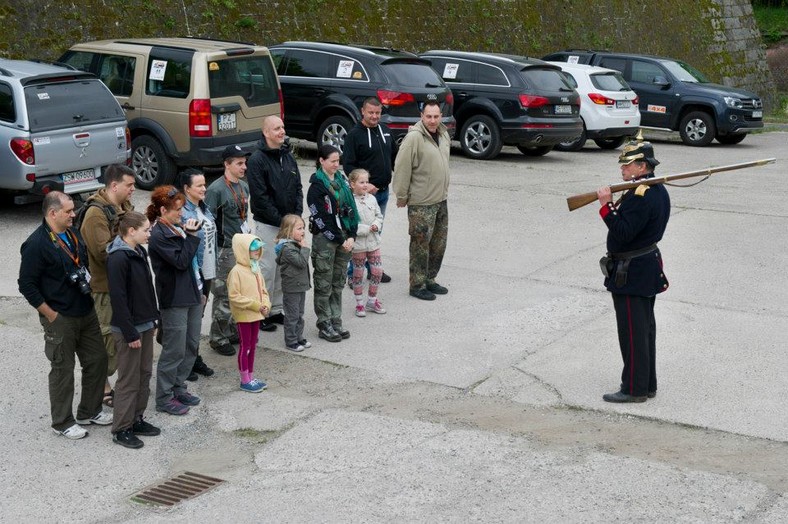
x=757, y=114
x=225, y=121
x=75, y=177
x=623, y=104
x=563, y=110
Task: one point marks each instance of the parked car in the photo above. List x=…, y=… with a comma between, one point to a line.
x=608, y=106
x=508, y=100
x=186, y=99
x=676, y=96
x=59, y=129
x=325, y=84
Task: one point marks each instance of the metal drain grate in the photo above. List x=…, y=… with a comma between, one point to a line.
x=181, y=487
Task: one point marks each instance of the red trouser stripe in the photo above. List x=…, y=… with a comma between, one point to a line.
x=631, y=350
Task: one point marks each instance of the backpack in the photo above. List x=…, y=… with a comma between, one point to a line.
x=109, y=211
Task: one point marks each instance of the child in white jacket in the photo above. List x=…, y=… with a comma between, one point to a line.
x=367, y=245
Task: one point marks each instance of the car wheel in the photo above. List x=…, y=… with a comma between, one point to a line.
x=152, y=167
x=333, y=131
x=535, y=150
x=697, y=129
x=480, y=138
x=609, y=143
x=733, y=138
x=573, y=145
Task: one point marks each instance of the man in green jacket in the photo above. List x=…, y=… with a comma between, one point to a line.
x=421, y=182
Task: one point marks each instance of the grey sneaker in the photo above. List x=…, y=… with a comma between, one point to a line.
x=102, y=419
x=173, y=407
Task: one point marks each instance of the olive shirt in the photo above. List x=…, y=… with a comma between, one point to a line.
x=421, y=171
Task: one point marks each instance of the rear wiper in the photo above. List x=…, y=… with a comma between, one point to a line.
x=565, y=89
x=430, y=85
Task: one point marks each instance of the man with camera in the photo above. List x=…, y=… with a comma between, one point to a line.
x=55, y=280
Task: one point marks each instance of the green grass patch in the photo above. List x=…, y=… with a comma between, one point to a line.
x=772, y=22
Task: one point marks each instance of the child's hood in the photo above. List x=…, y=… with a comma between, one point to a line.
x=241, y=243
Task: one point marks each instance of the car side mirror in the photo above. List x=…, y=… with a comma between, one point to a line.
x=661, y=81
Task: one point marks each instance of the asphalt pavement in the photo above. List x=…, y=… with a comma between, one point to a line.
x=486, y=404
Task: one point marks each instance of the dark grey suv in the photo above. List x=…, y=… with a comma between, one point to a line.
x=508, y=100
x=324, y=85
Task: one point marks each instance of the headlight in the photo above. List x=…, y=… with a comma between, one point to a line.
x=733, y=102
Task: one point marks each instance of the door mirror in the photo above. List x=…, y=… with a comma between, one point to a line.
x=661, y=81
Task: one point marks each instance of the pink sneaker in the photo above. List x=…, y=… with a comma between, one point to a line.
x=375, y=307
x=360, y=311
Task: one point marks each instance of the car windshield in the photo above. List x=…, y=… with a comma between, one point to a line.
x=66, y=104
x=409, y=74
x=684, y=72
x=547, y=79
x=610, y=82
x=252, y=78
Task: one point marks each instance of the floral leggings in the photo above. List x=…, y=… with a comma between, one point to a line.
x=375, y=272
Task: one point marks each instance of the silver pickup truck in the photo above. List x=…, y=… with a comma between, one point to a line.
x=59, y=129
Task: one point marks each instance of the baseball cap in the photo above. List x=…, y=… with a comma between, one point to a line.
x=234, y=152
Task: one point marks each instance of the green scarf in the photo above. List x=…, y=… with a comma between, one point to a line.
x=344, y=197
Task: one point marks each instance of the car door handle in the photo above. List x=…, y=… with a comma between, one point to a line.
x=319, y=92
x=462, y=94
x=127, y=107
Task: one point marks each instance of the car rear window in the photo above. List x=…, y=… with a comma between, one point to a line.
x=545, y=79
x=409, y=74
x=66, y=104
x=610, y=82
x=251, y=78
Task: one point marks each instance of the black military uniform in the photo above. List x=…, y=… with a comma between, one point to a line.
x=634, y=274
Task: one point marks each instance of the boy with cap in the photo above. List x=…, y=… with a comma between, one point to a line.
x=633, y=268
x=227, y=199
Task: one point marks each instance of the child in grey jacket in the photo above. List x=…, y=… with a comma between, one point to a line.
x=292, y=256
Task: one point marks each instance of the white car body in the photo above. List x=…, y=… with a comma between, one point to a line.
x=608, y=106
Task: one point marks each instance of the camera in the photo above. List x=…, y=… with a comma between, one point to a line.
x=80, y=279
x=345, y=211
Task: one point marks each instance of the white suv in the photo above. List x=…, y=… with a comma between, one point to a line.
x=608, y=107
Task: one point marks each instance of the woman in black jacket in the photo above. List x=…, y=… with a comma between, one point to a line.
x=173, y=249
x=333, y=223
x=134, y=317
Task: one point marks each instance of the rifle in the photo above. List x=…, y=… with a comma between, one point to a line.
x=578, y=201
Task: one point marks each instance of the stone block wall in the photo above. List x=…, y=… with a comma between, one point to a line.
x=718, y=37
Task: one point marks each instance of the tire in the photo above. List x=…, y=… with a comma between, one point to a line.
x=610, y=143
x=152, y=167
x=535, y=150
x=573, y=145
x=697, y=129
x=733, y=138
x=333, y=131
x=480, y=138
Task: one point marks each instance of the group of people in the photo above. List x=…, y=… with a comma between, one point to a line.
x=99, y=302
x=90, y=277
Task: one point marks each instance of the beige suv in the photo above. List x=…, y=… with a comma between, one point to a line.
x=185, y=99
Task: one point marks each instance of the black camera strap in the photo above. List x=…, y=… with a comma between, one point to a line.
x=70, y=248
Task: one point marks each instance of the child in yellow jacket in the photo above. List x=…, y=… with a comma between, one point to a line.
x=249, y=304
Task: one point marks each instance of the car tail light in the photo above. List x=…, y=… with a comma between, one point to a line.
x=395, y=98
x=450, y=99
x=128, y=146
x=23, y=149
x=281, y=105
x=601, y=100
x=200, y=118
x=528, y=101
x=636, y=101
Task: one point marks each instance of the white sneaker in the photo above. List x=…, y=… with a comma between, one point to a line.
x=360, y=311
x=74, y=432
x=102, y=419
x=376, y=307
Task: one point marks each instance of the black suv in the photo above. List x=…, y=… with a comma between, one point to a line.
x=324, y=85
x=676, y=96
x=508, y=100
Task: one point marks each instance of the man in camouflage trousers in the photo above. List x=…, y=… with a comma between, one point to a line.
x=421, y=182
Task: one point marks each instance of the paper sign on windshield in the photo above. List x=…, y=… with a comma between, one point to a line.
x=157, y=69
x=345, y=68
x=450, y=71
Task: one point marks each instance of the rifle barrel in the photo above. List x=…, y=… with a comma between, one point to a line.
x=583, y=199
